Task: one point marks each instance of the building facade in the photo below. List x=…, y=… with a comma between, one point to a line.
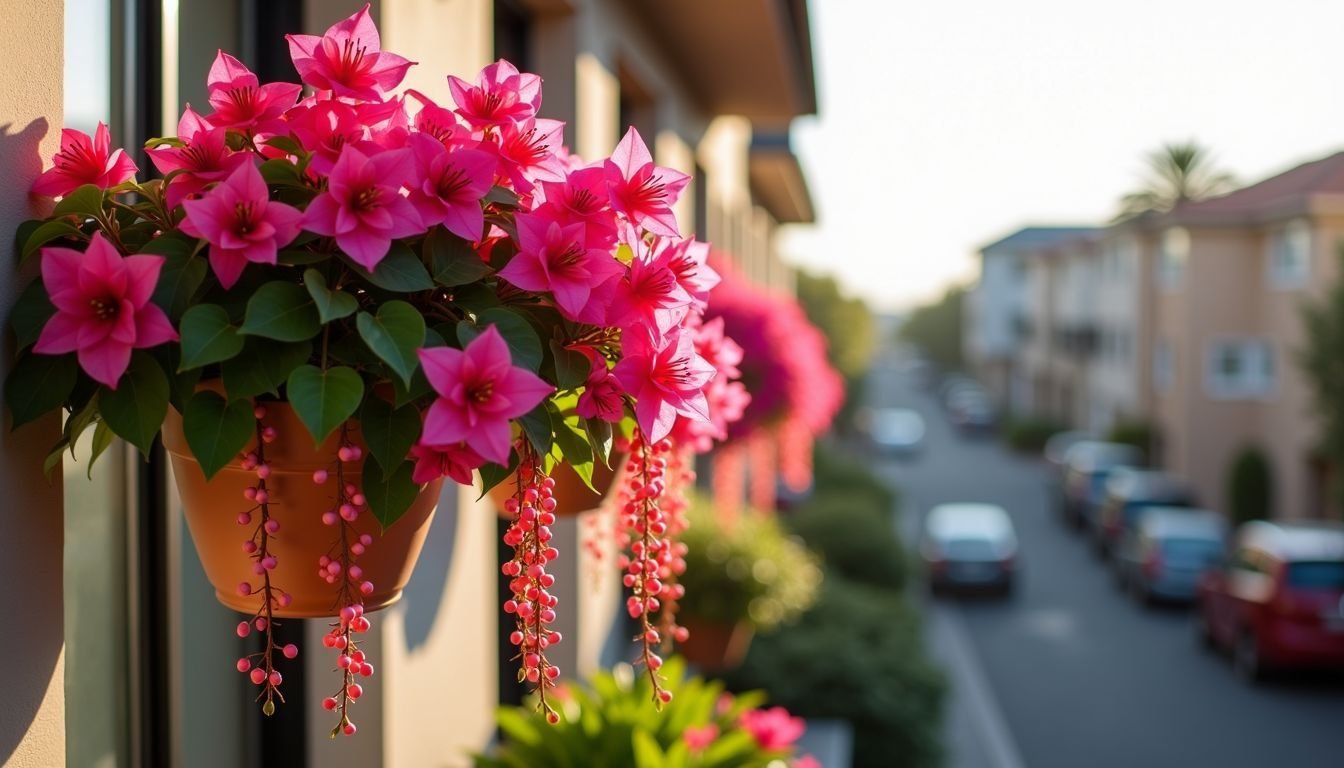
x=119, y=613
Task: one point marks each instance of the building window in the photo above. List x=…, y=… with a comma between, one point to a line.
x=1240, y=368
x=1163, y=366
x=1290, y=255
x=1173, y=258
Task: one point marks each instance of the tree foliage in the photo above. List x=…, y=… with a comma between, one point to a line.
x=845, y=320
x=1250, y=486
x=1177, y=172
x=1323, y=366
x=937, y=329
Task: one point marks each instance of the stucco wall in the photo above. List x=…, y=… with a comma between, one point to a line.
x=32, y=717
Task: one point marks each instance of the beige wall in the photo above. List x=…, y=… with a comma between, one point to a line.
x=32, y=717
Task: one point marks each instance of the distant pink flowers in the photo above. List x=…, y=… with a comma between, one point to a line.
x=479, y=390
x=102, y=308
x=84, y=160
x=241, y=223
x=773, y=728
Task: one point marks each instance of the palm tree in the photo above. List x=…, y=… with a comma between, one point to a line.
x=1176, y=173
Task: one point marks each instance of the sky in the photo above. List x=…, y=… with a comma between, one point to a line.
x=945, y=125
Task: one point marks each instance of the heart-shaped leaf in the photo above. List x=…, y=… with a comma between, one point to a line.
x=87, y=201
x=394, y=334
x=30, y=314
x=331, y=305
x=324, y=399
x=524, y=344
x=282, y=311
x=389, y=494
x=207, y=336
x=400, y=271
x=216, y=429
x=453, y=260
x=180, y=276
x=135, y=409
x=263, y=366
x=39, y=384
x=388, y=432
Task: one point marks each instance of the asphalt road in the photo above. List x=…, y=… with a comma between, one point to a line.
x=1069, y=672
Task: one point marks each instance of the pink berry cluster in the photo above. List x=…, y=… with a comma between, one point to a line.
x=650, y=551
x=339, y=567
x=679, y=478
x=532, y=510
x=260, y=666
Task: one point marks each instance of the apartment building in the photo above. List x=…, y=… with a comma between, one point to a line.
x=1230, y=278
x=118, y=612
x=1119, y=381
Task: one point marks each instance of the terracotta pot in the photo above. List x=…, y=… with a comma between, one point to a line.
x=571, y=495
x=714, y=646
x=212, y=509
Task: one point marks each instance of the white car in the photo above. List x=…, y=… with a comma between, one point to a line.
x=969, y=546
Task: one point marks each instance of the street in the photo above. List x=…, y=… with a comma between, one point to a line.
x=1068, y=671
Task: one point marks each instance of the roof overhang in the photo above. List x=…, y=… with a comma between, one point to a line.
x=777, y=179
x=751, y=58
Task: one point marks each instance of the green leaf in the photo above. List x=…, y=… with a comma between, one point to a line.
x=453, y=260
x=388, y=432
x=502, y=195
x=574, y=446
x=86, y=202
x=39, y=384
x=400, y=271
x=536, y=425
x=301, y=258
x=493, y=474
x=324, y=399
x=102, y=440
x=599, y=437
x=389, y=494
x=263, y=366
x=207, y=337
x=30, y=314
x=647, y=752
x=216, y=429
x=181, y=275
x=285, y=144
x=524, y=344
x=394, y=335
x=282, y=311
x=47, y=232
x=331, y=305
x=135, y=409
x=571, y=366
x=281, y=172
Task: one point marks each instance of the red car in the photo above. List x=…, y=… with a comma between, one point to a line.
x=1279, y=599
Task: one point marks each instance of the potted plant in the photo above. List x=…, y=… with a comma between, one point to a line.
x=338, y=295
x=611, y=721
x=741, y=575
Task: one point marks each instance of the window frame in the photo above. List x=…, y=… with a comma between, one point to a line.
x=1293, y=239
x=1257, y=374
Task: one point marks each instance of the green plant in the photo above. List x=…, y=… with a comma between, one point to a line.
x=857, y=655
x=1323, y=368
x=1135, y=432
x=855, y=537
x=1250, y=486
x=748, y=570
x=1029, y=435
x=613, y=722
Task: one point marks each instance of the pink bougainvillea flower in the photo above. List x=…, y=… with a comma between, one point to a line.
x=581, y=198
x=644, y=192
x=480, y=390
x=324, y=128
x=688, y=260
x=84, y=160
x=554, y=258
x=241, y=101
x=527, y=153
x=772, y=728
x=699, y=738
x=457, y=461
x=666, y=378
x=439, y=122
x=449, y=186
x=649, y=295
x=241, y=223
x=204, y=160
x=102, y=307
x=501, y=95
x=348, y=59
x=362, y=206
x=806, y=761
x=601, y=397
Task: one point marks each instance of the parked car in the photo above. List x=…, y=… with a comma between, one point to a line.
x=1164, y=554
x=1128, y=490
x=897, y=431
x=970, y=411
x=1278, y=599
x=969, y=546
x=1086, y=465
x=1059, y=444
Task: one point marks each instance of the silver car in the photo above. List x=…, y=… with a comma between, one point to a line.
x=969, y=546
x=898, y=431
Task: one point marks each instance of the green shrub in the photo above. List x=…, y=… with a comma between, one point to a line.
x=751, y=570
x=855, y=538
x=857, y=655
x=1139, y=434
x=1028, y=435
x=1250, y=486
x=836, y=470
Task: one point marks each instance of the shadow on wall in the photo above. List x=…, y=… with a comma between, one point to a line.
x=423, y=595
x=29, y=557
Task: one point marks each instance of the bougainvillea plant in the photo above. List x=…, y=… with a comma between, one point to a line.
x=442, y=272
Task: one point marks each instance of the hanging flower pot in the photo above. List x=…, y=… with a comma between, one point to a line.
x=571, y=494
x=298, y=505
x=715, y=646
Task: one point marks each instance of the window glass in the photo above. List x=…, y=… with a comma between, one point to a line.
x=1317, y=575
x=88, y=58
x=1290, y=255
x=1174, y=255
x=1241, y=368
